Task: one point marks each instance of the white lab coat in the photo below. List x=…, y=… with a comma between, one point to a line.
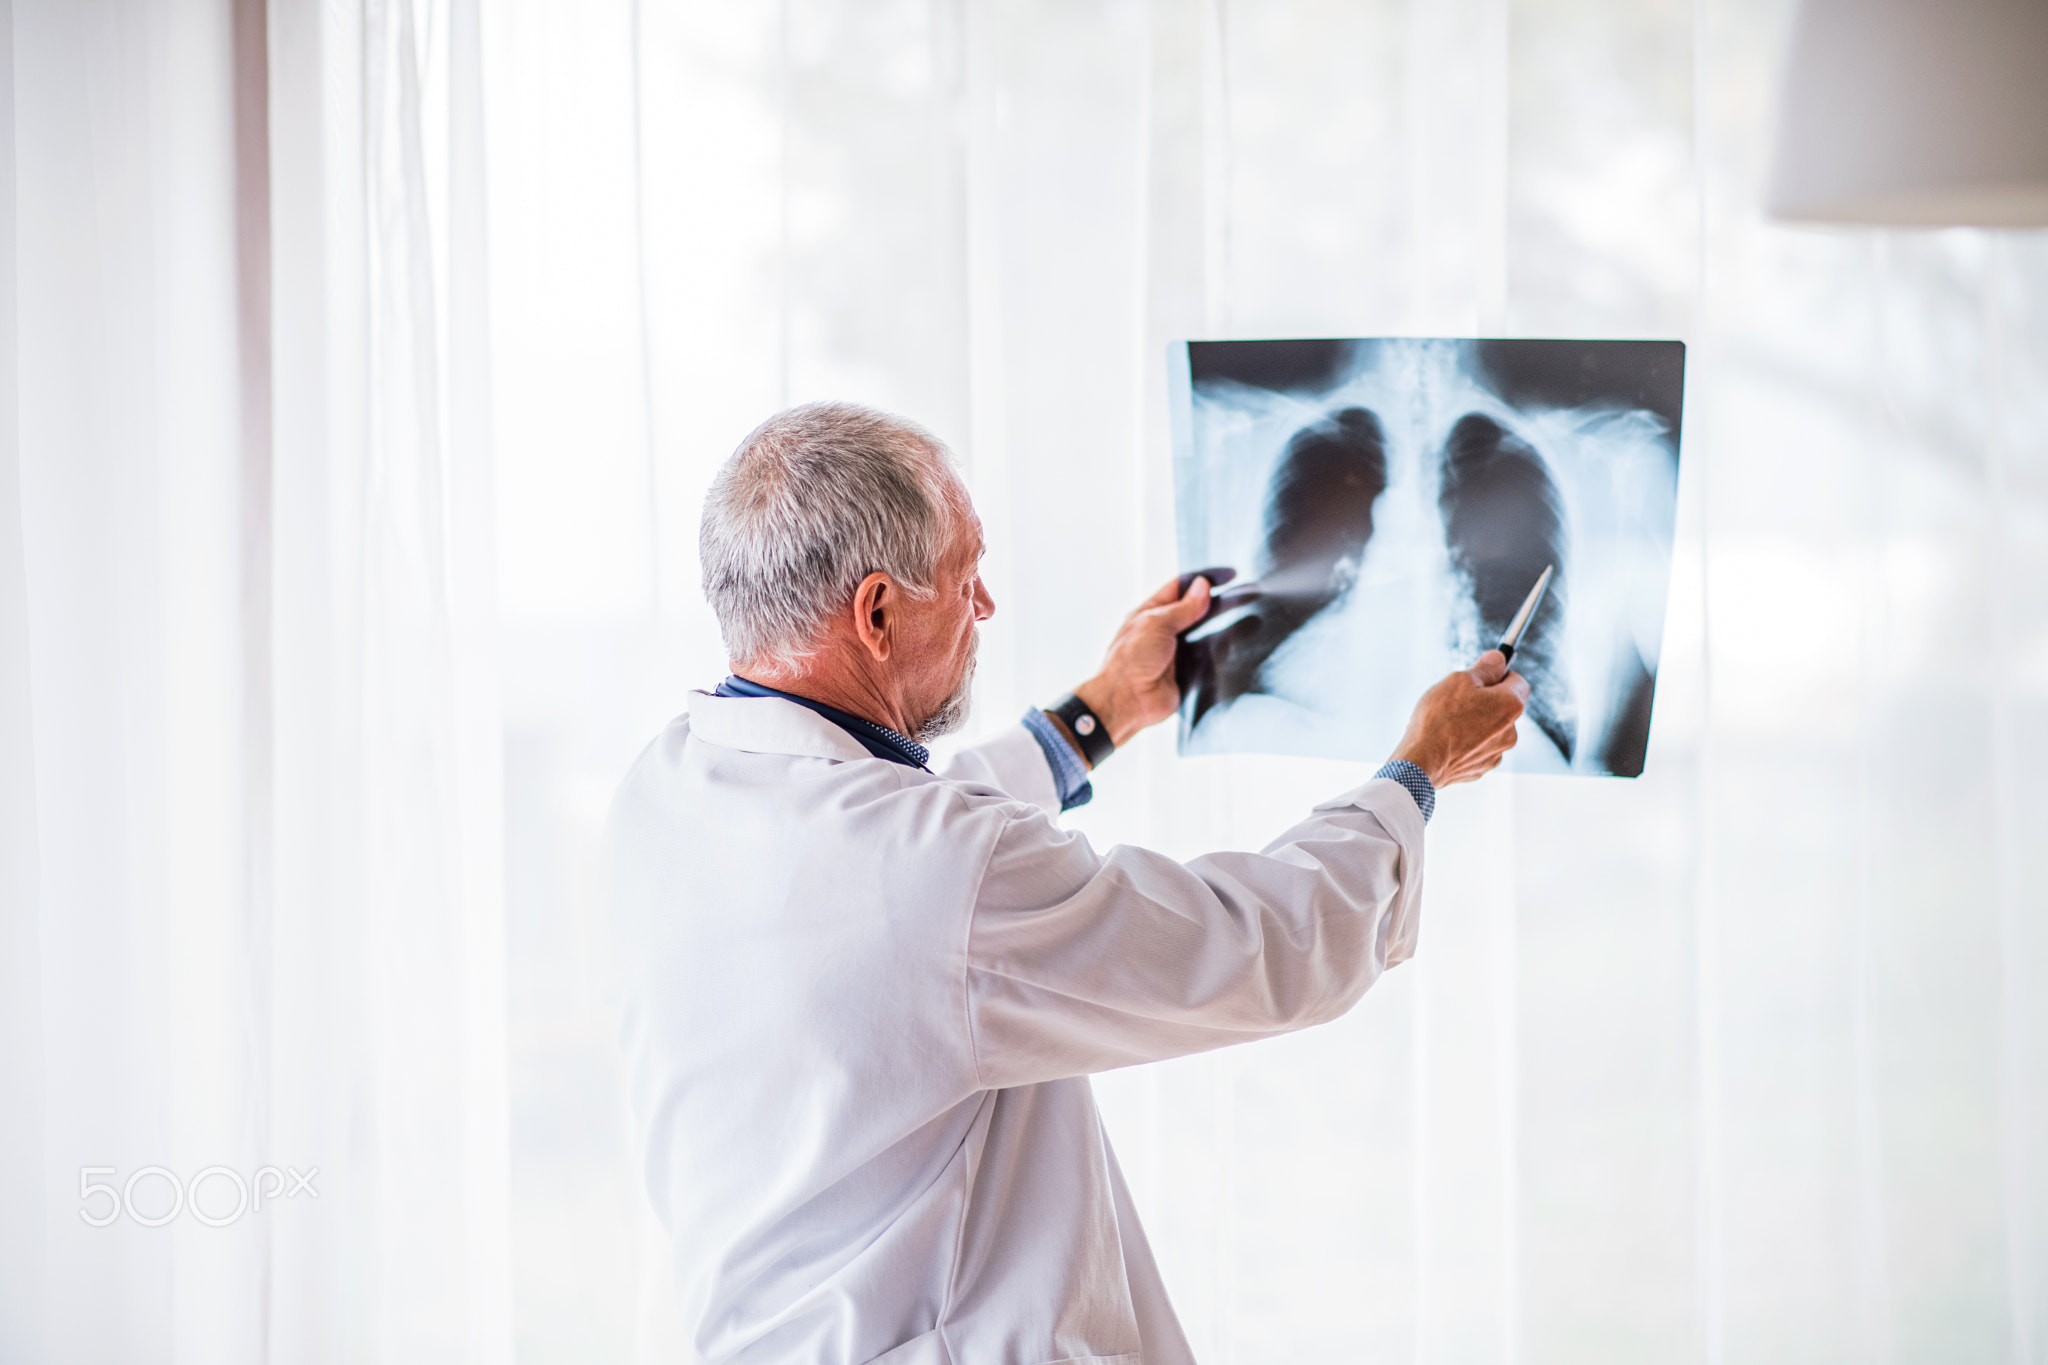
x=862, y=1003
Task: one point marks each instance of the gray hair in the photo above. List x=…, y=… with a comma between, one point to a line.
x=813, y=501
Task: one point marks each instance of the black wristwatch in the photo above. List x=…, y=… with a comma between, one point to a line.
x=1086, y=727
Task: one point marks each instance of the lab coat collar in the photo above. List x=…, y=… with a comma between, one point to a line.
x=769, y=725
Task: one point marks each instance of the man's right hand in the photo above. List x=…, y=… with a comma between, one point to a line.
x=1465, y=724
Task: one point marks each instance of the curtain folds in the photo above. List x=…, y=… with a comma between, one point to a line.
x=1732, y=1062
x=365, y=362
x=256, y=836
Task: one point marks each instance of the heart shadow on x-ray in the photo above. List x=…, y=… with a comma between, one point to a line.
x=1501, y=522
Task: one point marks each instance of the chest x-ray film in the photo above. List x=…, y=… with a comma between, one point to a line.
x=1387, y=506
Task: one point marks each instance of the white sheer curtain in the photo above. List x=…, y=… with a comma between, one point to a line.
x=252, y=812
x=365, y=361
x=1740, y=1061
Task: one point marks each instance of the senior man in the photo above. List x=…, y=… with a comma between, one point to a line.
x=863, y=998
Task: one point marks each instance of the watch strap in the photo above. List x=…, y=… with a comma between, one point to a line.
x=1086, y=727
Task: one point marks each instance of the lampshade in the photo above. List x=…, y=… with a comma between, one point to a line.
x=1915, y=113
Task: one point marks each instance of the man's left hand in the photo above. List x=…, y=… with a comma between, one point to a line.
x=1135, y=687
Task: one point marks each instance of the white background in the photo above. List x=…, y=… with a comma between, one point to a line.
x=1743, y=1060
x=1739, y=1061
x=347, y=557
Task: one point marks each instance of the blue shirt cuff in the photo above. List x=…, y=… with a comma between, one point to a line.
x=1069, y=773
x=1416, y=781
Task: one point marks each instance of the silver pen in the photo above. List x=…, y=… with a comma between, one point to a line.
x=1513, y=635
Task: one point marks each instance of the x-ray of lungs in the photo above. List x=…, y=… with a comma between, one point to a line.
x=1384, y=507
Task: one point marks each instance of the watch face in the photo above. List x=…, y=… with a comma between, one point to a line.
x=1084, y=725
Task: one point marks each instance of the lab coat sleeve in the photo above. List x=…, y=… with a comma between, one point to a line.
x=1078, y=962
x=1011, y=763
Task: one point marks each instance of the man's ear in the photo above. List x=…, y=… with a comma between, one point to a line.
x=874, y=615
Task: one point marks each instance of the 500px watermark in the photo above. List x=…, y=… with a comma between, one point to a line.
x=100, y=1203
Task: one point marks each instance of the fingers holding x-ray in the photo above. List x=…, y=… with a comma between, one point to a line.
x=1392, y=503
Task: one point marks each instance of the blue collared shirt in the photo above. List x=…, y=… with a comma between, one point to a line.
x=1069, y=769
x=878, y=740
x=1417, y=782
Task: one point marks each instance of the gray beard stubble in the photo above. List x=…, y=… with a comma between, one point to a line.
x=952, y=712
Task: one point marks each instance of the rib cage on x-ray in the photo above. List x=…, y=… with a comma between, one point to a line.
x=1393, y=502
x=1504, y=525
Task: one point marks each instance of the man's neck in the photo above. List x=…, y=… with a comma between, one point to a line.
x=843, y=690
x=879, y=740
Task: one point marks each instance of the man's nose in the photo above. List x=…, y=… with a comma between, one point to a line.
x=984, y=605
